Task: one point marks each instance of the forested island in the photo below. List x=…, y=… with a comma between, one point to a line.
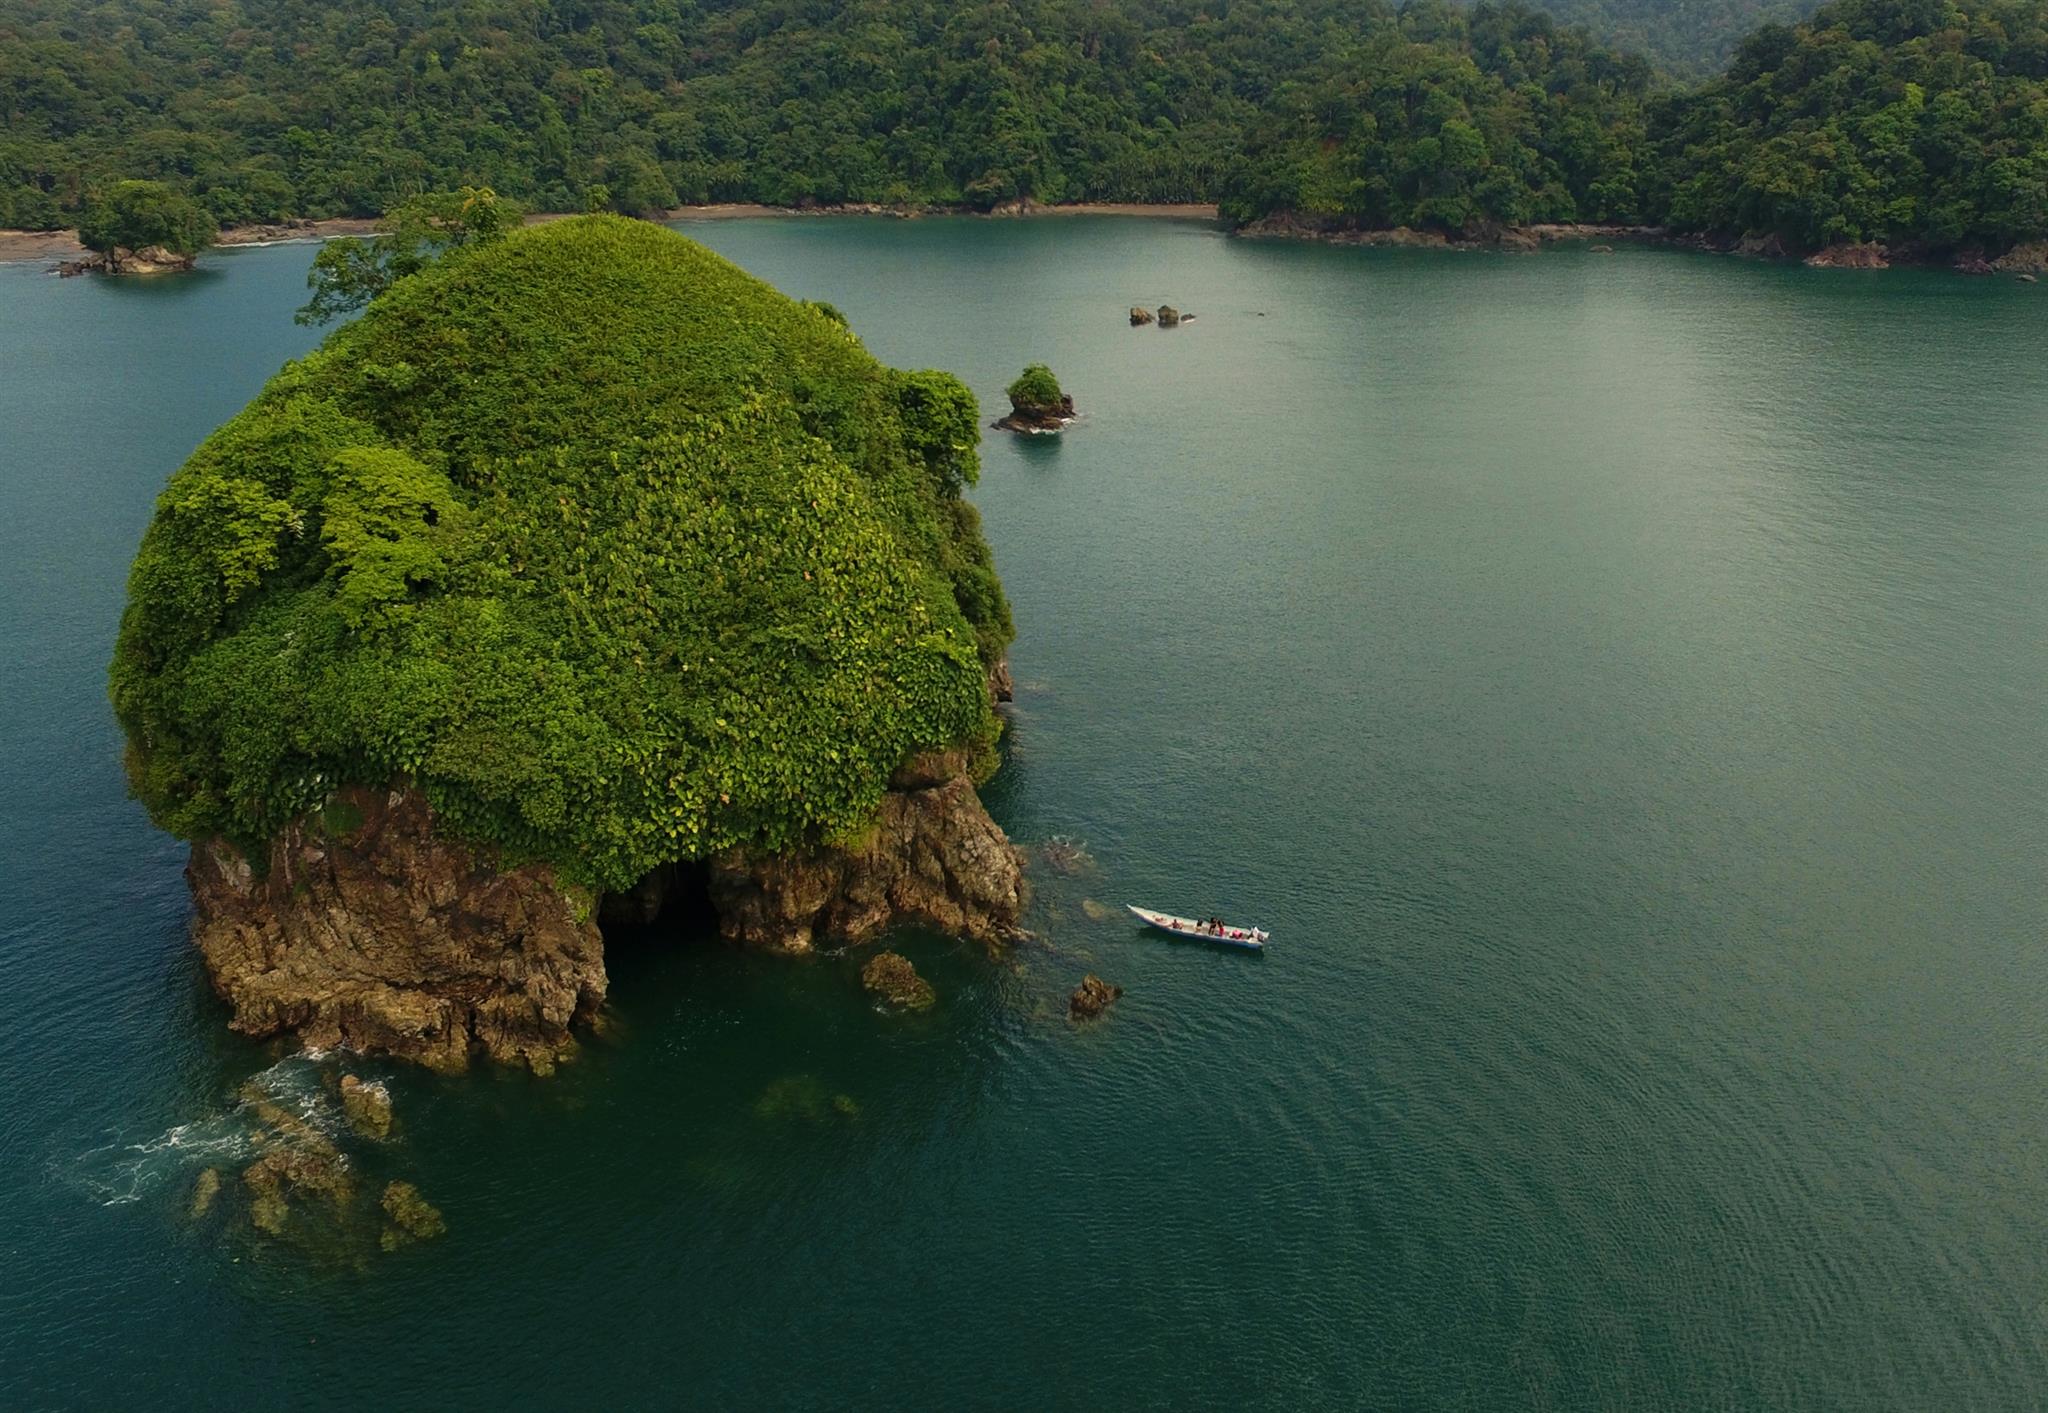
x=581, y=577
x=1918, y=124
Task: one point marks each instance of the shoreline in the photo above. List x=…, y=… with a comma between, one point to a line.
x=1009, y=210
x=2027, y=261
x=18, y=246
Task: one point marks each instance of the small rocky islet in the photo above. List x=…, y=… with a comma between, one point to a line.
x=1038, y=405
x=430, y=656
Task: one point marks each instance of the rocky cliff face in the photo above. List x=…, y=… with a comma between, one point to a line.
x=369, y=931
x=933, y=858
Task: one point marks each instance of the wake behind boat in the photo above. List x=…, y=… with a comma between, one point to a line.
x=1250, y=938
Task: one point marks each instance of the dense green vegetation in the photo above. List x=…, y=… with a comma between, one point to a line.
x=1035, y=387
x=1915, y=120
x=1688, y=39
x=620, y=555
x=1452, y=121
x=349, y=271
x=133, y=214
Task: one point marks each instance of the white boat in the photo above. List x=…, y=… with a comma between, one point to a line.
x=1250, y=938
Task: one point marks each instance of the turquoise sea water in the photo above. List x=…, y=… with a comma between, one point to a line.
x=1619, y=682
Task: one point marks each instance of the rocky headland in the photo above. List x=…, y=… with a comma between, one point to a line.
x=723, y=635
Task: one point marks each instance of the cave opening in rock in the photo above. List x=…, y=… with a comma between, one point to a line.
x=671, y=904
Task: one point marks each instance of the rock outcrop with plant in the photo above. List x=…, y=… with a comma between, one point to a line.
x=1037, y=403
x=579, y=556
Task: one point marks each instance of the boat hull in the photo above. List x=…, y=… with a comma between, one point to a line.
x=1249, y=939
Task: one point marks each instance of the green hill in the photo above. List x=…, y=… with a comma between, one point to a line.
x=619, y=554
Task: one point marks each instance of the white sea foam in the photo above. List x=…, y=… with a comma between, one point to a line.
x=123, y=1171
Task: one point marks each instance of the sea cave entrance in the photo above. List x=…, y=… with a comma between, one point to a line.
x=671, y=906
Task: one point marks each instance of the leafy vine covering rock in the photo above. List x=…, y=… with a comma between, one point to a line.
x=613, y=552
x=599, y=556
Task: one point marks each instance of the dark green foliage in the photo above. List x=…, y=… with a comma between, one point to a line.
x=1452, y=122
x=131, y=215
x=1916, y=121
x=1035, y=387
x=1919, y=122
x=1689, y=39
x=619, y=554
x=348, y=272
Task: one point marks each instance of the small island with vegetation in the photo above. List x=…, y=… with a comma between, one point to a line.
x=581, y=576
x=1037, y=404
x=141, y=228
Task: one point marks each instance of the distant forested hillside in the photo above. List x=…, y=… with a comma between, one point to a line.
x=274, y=107
x=1918, y=121
x=1689, y=39
x=1910, y=122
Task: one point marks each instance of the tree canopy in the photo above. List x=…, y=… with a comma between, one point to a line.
x=132, y=215
x=1913, y=121
x=349, y=272
x=1035, y=387
x=618, y=554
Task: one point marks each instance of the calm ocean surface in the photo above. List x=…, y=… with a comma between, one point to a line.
x=1619, y=682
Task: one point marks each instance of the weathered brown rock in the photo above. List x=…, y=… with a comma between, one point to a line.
x=367, y=1107
x=2030, y=258
x=1092, y=997
x=369, y=930
x=1140, y=315
x=1025, y=417
x=891, y=976
x=1864, y=255
x=149, y=260
x=933, y=857
x=1000, y=687
x=1169, y=317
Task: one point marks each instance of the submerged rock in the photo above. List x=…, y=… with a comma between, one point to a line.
x=367, y=1107
x=204, y=1191
x=891, y=976
x=1092, y=997
x=1066, y=856
x=294, y=1166
x=804, y=1096
x=389, y=938
x=413, y=1218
